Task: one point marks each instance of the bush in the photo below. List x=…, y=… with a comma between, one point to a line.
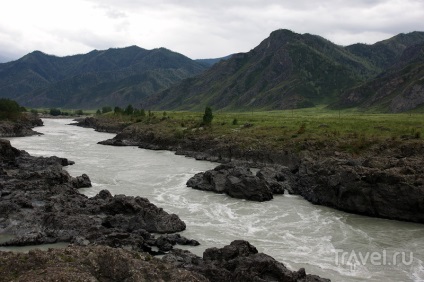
x=235, y=121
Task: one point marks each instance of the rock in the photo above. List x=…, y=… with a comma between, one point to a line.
x=248, y=187
x=236, y=181
x=82, y=181
x=7, y=152
x=380, y=187
x=239, y=261
x=278, y=178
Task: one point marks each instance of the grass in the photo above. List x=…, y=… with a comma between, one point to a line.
x=348, y=130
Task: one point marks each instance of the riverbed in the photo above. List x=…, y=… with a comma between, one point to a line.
x=326, y=242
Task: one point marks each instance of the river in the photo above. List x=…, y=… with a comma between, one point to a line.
x=326, y=242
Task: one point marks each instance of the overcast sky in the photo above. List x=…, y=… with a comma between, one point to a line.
x=195, y=28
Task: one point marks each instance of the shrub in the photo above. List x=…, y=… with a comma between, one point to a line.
x=55, y=112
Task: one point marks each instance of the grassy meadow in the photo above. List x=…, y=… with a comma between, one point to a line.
x=347, y=130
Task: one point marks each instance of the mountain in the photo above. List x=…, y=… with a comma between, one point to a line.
x=211, y=62
x=286, y=70
x=99, y=78
x=4, y=59
x=398, y=89
x=385, y=53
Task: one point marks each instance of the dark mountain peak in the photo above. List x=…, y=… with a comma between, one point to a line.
x=116, y=76
x=281, y=37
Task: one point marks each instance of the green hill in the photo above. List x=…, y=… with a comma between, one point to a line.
x=398, y=89
x=286, y=70
x=99, y=78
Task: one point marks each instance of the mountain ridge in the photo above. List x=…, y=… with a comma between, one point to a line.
x=286, y=70
x=41, y=80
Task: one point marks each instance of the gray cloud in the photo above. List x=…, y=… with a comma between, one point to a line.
x=202, y=29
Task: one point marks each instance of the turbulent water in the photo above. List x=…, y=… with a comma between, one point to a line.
x=330, y=243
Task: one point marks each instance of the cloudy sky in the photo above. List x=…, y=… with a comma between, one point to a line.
x=195, y=28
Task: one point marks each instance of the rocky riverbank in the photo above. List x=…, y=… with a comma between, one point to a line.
x=386, y=180
x=238, y=261
x=40, y=203
x=21, y=127
x=112, y=237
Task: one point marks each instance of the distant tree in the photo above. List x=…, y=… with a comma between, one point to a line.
x=98, y=112
x=79, y=112
x=129, y=110
x=208, y=116
x=55, y=112
x=9, y=109
x=106, y=109
x=235, y=121
x=117, y=110
x=34, y=111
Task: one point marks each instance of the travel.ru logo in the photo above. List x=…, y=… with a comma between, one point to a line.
x=354, y=259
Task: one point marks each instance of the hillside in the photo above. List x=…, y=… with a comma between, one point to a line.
x=286, y=70
x=211, y=62
x=400, y=88
x=99, y=78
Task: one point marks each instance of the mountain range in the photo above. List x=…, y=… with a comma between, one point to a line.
x=289, y=70
x=286, y=70
x=114, y=77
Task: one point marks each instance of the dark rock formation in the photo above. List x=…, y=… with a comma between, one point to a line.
x=93, y=263
x=40, y=203
x=21, y=127
x=239, y=261
x=376, y=186
x=101, y=125
x=237, y=182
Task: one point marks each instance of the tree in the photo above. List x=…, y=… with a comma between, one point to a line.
x=129, y=110
x=79, y=112
x=117, y=110
x=208, y=116
x=55, y=112
x=9, y=109
x=106, y=109
x=98, y=112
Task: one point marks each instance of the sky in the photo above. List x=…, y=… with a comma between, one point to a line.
x=195, y=28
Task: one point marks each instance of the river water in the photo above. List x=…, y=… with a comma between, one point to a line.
x=326, y=242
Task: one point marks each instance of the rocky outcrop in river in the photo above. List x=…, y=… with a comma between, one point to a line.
x=240, y=182
x=23, y=126
x=40, y=203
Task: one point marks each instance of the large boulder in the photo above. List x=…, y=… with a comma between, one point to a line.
x=236, y=181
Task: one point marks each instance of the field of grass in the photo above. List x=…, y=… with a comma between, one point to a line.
x=349, y=131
